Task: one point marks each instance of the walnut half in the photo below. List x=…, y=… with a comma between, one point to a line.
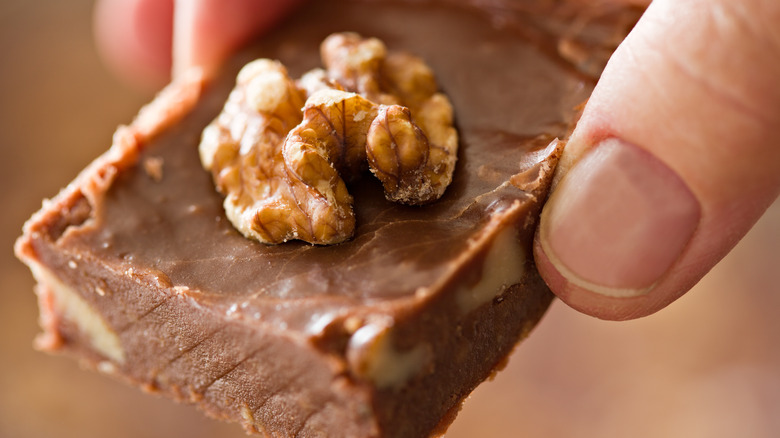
x=283, y=151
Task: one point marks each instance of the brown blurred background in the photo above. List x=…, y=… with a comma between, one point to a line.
x=708, y=366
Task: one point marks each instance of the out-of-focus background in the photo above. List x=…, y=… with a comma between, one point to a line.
x=708, y=366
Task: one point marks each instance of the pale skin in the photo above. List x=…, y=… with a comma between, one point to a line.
x=683, y=116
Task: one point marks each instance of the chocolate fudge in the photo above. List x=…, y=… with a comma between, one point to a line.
x=141, y=276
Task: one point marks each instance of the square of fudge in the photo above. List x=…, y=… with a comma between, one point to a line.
x=141, y=276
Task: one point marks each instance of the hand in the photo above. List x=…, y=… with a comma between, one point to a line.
x=148, y=41
x=675, y=158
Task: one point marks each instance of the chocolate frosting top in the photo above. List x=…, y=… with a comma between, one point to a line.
x=515, y=75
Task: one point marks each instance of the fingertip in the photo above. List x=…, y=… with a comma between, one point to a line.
x=591, y=303
x=208, y=31
x=670, y=164
x=613, y=231
x=134, y=39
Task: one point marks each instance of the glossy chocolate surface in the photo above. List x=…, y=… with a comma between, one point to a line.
x=511, y=100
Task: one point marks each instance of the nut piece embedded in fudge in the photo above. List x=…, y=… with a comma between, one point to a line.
x=143, y=276
x=283, y=164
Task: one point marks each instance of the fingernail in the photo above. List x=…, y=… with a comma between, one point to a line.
x=618, y=220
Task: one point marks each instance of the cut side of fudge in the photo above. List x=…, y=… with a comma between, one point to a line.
x=142, y=277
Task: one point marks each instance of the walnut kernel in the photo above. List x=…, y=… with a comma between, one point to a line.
x=283, y=151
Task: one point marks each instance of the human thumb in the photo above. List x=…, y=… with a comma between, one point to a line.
x=673, y=161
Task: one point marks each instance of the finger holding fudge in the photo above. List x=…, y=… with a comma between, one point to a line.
x=672, y=162
x=145, y=42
